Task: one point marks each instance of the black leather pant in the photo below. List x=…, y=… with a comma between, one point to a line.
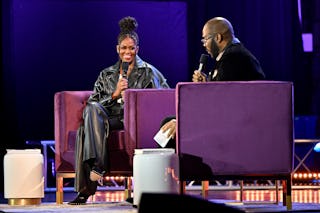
x=91, y=145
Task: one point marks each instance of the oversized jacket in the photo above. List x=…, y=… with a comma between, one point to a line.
x=142, y=76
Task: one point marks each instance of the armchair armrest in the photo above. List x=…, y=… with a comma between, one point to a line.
x=68, y=107
x=144, y=111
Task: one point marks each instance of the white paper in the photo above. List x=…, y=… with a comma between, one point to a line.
x=162, y=138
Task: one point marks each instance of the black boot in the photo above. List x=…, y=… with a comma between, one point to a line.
x=81, y=199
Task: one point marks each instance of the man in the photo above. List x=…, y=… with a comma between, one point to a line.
x=233, y=63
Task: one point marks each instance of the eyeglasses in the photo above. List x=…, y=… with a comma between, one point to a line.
x=204, y=40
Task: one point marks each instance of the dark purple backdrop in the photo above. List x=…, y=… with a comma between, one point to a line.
x=63, y=45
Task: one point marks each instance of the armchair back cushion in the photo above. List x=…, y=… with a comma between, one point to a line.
x=234, y=128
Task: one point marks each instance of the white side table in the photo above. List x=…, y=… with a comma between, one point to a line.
x=46, y=145
x=155, y=170
x=23, y=176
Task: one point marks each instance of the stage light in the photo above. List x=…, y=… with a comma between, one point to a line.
x=316, y=148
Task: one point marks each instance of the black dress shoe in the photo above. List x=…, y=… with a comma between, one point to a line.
x=129, y=199
x=81, y=199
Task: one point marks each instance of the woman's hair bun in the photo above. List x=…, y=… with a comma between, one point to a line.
x=128, y=24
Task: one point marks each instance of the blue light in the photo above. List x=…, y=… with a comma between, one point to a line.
x=316, y=148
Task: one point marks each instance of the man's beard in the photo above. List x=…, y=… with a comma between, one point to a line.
x=214, y=49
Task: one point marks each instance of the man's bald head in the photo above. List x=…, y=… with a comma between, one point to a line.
x=222, y=26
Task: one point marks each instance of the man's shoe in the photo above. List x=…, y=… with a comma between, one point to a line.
x=129, y=200
x=81, y=199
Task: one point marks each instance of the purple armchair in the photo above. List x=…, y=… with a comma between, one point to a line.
x=235, y=131
x=143, y=112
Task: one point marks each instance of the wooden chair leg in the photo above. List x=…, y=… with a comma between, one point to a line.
x=59, y=189
x=277, y=191
x=183, y=185
x=241, y=190
x=59, y=184
x=127, y=187
x=205, y=189
x=287, y=189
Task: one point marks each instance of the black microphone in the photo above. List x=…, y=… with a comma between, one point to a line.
x=203, y=61
x=125, y=66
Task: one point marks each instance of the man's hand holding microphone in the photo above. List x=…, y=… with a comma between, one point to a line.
x=198, y=75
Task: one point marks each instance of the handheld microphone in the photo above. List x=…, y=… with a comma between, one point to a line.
x=203, y=60
x=125, y=66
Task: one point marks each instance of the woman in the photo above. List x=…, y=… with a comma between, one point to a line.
x=104, y=109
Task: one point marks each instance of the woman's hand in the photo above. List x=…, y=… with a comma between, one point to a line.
x=121, y=86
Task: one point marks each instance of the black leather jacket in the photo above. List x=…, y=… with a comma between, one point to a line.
x=142, y=76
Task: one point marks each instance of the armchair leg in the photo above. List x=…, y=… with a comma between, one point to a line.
x=59, y=185
x=59, y=189
x=205, y=188
x=127, y=187
x=183, y=185
x=286, y=189
x=277, y=191
x=241, y=190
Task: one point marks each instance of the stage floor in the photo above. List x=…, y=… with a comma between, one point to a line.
x=255, y=200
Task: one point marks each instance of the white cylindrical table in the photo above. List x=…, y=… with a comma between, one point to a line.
x=155, y=171
x=23, y=176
